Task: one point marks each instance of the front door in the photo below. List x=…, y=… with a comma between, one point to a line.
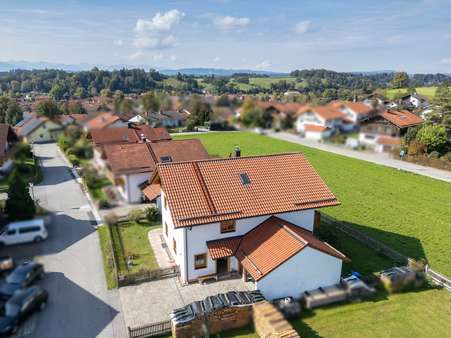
x=222, y=265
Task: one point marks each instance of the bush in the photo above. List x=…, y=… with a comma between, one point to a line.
x=416, y=148
x=74, y=160
x=447, y=156
x=23, y=151
x=434, y=154
x=63, y=143
x=433, y=136
x=152, y=214
x=135, y=215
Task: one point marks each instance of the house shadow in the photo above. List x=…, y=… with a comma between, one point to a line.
x=55, y=175
x=71, y=310
x=64, y=231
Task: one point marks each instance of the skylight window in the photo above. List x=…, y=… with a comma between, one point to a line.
x=245, y=180
x=165, y=159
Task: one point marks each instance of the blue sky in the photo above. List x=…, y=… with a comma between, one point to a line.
x=351, y=35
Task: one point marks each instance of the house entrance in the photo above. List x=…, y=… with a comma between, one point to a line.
x=222, y=265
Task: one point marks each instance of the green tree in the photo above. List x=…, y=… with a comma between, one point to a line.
x=118, y=97
x=80, y=93
x=48, y=108
x=19, y=205
x=57, y=92
x=251, y=115
x=433, y=136
x=400, y=80
x=126, y=106
x=150, y=102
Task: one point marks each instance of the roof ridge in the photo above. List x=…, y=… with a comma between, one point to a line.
x=293, y=234
x=235, y=158
x=152, y=154
x=250, y=260
x=204, y=188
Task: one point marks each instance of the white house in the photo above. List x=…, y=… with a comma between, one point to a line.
x=354, y=111
x=250, y=215
x=310, y=119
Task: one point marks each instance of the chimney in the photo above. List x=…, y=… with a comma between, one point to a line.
x=237, y=151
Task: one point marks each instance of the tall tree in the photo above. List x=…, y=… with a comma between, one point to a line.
x=400, y=80
x=19, y=205
x=48, y=108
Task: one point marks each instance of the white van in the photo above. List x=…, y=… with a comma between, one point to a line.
x=23, y=232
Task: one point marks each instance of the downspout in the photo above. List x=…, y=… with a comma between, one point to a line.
x=186, y=254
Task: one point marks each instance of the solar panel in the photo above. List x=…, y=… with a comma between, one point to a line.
x=165, y=159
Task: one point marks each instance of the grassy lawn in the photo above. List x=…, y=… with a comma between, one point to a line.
x=411, y=213
x=429, y=92
x=107, y=257
x=131, y=238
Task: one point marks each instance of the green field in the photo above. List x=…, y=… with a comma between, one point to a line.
x=410, y=213
x=429, y=92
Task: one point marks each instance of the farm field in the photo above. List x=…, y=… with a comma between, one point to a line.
x=408, y=212
x=429, y=92
x=264, y=82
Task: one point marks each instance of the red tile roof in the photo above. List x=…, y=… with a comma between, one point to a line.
x=134, y=134
x=315, y=128
x=143, y=157
x=207, y=191
x=359, y=108
x=101, y=121
x=402, y=119
x=269, y=245
x=328, y=113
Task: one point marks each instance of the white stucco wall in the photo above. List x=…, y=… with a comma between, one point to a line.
x=307, y=270
x=132, y=191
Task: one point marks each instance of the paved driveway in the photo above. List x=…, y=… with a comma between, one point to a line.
x=80, y=304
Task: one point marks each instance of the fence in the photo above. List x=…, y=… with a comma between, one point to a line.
x=147, y=276
x=152, y=330
x=113, y=253
x=385, y=250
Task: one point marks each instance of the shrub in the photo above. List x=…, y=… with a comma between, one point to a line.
x=447, y=156
x=433, y=136
x=74, y=160
x=152, y=214
x=63, y=143
x=434, y=154
x=416, y=148
x=135, y=215
x=23, y=151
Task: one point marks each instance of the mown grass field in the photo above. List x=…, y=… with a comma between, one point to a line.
x=429, y=92
x=411, y=213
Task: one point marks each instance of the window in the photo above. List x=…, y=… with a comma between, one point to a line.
x=200, y=261
x=174, y=245
x=166, y=229
x=245, y=179
x=29, y=229
x=165, y=159
x=228, y=226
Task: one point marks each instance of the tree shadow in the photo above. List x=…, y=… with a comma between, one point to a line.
x=72, y=311
x=55, y=175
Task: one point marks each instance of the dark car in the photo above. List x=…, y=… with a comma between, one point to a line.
x=21, y=277
x=21, y=305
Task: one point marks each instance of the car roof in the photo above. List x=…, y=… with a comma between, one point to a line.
x=20, y=295
x=21, y=224
x=25, y=267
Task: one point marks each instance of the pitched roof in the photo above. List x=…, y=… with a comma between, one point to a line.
x=359, y=108
x=207, y=191
x=326, y=112
x=402, y=119
x=132, y=134
x=102, y=120
x=31, y=124
x=134, y=158
x=315, y=128
x=269, y=245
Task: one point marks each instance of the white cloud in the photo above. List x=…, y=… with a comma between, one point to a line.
x=227, y=23
x=118, y=42
x=263, y=65
x=303, y=26
x=149, y=56
x=446, y=61
x=157, y=33
x=217, y=59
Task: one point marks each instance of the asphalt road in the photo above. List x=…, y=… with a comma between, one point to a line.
x=80, y=304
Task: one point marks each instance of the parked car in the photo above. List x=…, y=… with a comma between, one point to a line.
x=21, y=277
x=20, y=306
x=6, y=264
x=23, y=232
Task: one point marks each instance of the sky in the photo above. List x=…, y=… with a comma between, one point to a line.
x=351, y=35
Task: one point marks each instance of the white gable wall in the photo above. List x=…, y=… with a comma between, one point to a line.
x=132, y=191
x=307, y=270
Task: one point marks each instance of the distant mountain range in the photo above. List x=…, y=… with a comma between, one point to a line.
x=218, y=72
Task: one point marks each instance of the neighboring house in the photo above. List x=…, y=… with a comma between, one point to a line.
x=129, y=166
x=355, y=111
x=38, y=129
x=250, y=215
x=386, y=143
x=323, y=120
x=8, y=139
x=414, y=100
x=391, y=123
x=104, y=120
x=168, y=118
x=124, y=135
x=78, y=120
